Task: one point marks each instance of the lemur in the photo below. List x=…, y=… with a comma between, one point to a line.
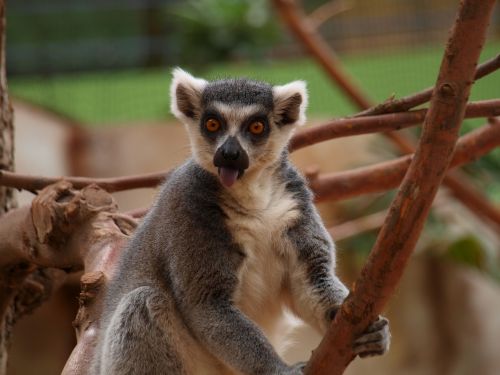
x=232, y=243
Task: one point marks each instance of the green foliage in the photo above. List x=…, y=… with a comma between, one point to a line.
x=217, y=30
x=467, y=250
x=140, y=94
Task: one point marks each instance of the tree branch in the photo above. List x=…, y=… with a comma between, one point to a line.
x=411, y=101
x=294, y=18
x=408, y=212
x=334, y=129
x=388, y=175
x=110, y=184
x=70, y=230
x=371, y=124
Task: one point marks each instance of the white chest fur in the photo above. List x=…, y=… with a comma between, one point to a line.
x=259, y=226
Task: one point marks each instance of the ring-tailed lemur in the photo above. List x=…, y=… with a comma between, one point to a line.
x=232, y=242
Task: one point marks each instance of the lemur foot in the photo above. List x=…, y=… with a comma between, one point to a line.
x=375, y=340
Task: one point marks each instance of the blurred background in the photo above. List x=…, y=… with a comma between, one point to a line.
x=89, y=81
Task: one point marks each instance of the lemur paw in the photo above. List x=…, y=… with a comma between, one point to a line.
x=375, y=340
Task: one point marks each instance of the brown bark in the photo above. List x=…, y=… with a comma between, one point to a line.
x=388, y=175
x=334, y=129
x=409, y=209
x=7, y=199
x=70, y=230
x=110, y=184
x=379, y=123
x=295, y=20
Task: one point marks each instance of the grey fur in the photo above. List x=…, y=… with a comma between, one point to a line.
x=239, y=91
x=181, y=301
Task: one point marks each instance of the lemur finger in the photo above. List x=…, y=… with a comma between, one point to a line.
x=370, y=337
x=371, y=354
x=371, y=348
x=377, y=324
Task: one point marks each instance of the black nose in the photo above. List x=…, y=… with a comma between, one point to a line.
x=231, y=149
x=230, y=154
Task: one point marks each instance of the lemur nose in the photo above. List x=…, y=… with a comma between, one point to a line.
x=230, y=154
x=231, y=149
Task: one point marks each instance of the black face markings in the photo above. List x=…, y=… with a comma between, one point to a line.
x=212, y=136
x=256, y=139
x=239, y=91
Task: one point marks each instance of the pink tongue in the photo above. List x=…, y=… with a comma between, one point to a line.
x=228, y=175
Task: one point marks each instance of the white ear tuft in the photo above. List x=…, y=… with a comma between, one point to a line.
x=290, y=102
x=185, y=94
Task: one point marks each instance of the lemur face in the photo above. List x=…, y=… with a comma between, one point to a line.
x=237, y=126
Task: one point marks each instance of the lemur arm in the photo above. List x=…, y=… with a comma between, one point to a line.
x=316, y=292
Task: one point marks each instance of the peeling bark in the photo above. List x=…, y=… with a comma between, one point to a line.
x=69, y=230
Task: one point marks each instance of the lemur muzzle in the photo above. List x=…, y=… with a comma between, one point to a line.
x=232, y=160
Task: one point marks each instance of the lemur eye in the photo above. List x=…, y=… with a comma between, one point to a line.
x=212, y=125
x=256, y=127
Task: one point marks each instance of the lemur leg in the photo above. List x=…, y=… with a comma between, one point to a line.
x=131, y=343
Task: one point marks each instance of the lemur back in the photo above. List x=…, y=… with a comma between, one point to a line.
x=232, y=245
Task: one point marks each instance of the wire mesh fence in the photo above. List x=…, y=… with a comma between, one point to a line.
x=107, y=61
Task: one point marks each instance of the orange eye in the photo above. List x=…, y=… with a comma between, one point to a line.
x=212, y=125
x=256, y=127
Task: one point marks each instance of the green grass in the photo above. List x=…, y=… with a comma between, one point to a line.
x=142, y=95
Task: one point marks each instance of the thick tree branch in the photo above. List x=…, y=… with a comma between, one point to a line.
x=8, y=294
x=408, y=212
x=388, y=175
x=294, y=18
x=70, y=230
x=371, y=124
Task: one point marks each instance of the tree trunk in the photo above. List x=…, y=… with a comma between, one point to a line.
x=7, y=198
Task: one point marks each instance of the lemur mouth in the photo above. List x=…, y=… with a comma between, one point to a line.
x=228, y=175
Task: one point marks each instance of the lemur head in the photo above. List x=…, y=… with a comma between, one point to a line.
x=237, y=126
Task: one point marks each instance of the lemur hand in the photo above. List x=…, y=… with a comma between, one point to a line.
x=375, y=340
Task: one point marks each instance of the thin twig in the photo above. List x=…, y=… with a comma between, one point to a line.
x=110, y=184
x=411, y=101
x=357, y=226
x=328, y=10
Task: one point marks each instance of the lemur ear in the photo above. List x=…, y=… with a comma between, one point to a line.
x=185, y=94
x=290, y=103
